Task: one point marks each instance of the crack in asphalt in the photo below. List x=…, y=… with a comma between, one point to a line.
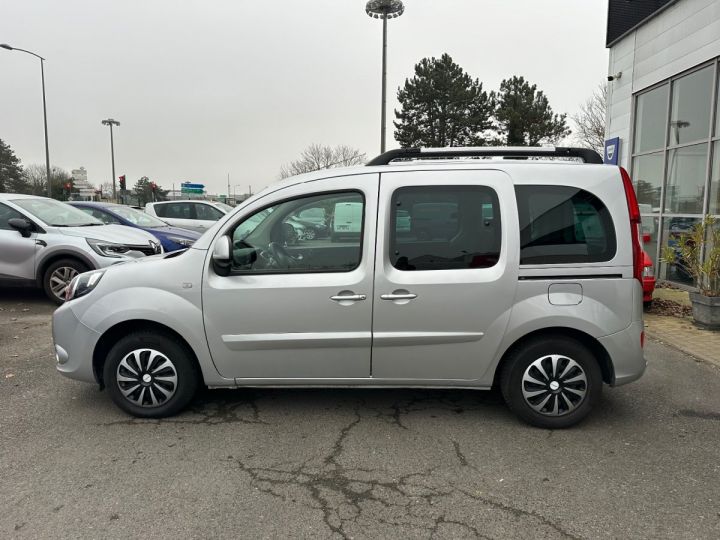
x=214, y=412
x=351, y=496
x=699, y=414
x=355, y=497
x=461, y=457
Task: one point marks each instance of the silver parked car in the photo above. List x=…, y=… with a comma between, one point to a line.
x=193, y=215
x=46, y=243
x=533, y=284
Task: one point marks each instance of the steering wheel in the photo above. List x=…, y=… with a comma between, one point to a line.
x=280, y=256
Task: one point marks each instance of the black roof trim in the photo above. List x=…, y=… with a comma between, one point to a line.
x=587, y=155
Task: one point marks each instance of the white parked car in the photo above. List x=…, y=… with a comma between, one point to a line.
x=194, y=215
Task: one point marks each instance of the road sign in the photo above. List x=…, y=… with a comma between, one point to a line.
x=190, y=185
x=612, y=151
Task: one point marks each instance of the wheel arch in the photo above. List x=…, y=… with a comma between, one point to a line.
x=591, y=343
x=54, y=257
x=119, y=330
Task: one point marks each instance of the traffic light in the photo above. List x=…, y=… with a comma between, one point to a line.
x=122, y=182
x=68, y=186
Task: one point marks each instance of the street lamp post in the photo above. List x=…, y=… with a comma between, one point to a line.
x=42, y=77
x=110, y=122
x=384, y=9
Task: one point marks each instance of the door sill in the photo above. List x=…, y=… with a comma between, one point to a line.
x=364, y=382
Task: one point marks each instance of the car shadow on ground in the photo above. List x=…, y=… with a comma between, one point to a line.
x=25, y=295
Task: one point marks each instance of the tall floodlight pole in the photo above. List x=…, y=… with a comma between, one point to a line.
x=42, y=77
x=384, y=9
x=110, y=122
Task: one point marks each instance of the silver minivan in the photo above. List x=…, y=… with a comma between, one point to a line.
x=532, y=286
x=46, y=243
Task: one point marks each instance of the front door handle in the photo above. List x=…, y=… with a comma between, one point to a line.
x=348, y=297
x=405, y=296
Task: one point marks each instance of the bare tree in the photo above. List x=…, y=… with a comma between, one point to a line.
x=590, y=121
x=317, y=157
x=36, y=176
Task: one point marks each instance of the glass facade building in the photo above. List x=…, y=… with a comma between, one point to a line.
x=676, y=159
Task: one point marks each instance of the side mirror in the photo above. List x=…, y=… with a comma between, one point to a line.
x=222, y=256
x=23, y=226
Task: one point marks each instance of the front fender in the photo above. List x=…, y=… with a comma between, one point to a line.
x=181, y=313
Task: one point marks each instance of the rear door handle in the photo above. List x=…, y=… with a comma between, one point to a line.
x=406, y=296
x=348, y=297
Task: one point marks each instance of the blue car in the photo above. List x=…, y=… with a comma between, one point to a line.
x=171, y=238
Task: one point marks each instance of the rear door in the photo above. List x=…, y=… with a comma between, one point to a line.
x=443, y=296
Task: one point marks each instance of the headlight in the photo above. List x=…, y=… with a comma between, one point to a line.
x=182, y=241
x=107, y=249
x=83, y=284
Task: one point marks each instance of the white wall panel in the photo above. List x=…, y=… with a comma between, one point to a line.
x=680, y=37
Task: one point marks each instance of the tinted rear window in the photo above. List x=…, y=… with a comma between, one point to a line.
x=444, y=228
x=560, y=224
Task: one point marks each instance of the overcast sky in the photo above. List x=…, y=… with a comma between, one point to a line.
x=207, y=88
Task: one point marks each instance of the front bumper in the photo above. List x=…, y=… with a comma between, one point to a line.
x=74, y=345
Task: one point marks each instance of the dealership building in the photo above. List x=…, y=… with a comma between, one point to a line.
x=663, y=120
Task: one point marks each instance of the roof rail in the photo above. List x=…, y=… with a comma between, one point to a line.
x=518, y=152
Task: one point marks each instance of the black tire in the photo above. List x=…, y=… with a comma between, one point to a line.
x=520, y=361
x=75, y=265
x=187, y=375
x=648, y=304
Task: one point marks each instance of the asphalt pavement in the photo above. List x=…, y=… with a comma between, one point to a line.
x=350, y=463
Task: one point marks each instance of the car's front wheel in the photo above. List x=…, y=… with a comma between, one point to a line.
x=57, y=278
x=150, y=375
x=551, y=382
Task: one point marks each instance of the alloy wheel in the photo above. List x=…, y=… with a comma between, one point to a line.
x=554, y=385
x=60, y=280
x=147, y=377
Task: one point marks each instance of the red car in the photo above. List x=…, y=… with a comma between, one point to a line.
x=648, y=280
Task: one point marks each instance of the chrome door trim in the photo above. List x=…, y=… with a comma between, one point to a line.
x=398, y=339
x=296, y=340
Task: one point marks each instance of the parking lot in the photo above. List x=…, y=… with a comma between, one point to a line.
x=349, y=463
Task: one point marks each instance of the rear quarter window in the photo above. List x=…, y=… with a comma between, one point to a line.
x=562, y=224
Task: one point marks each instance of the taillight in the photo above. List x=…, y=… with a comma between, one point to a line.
x=634, y=212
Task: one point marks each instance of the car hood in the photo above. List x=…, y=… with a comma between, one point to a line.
x=119, y=234
x=174, y=231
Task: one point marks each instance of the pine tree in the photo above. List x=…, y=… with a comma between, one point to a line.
x=524, y=116
x=12, y=179
x=442, y=106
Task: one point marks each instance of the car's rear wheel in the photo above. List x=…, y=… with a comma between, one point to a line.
x=57, y=278
x=551, y=382
x=150, y=375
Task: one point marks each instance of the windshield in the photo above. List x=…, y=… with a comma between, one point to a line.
x=56, y=213
x=141, y=219
x=224, y=207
